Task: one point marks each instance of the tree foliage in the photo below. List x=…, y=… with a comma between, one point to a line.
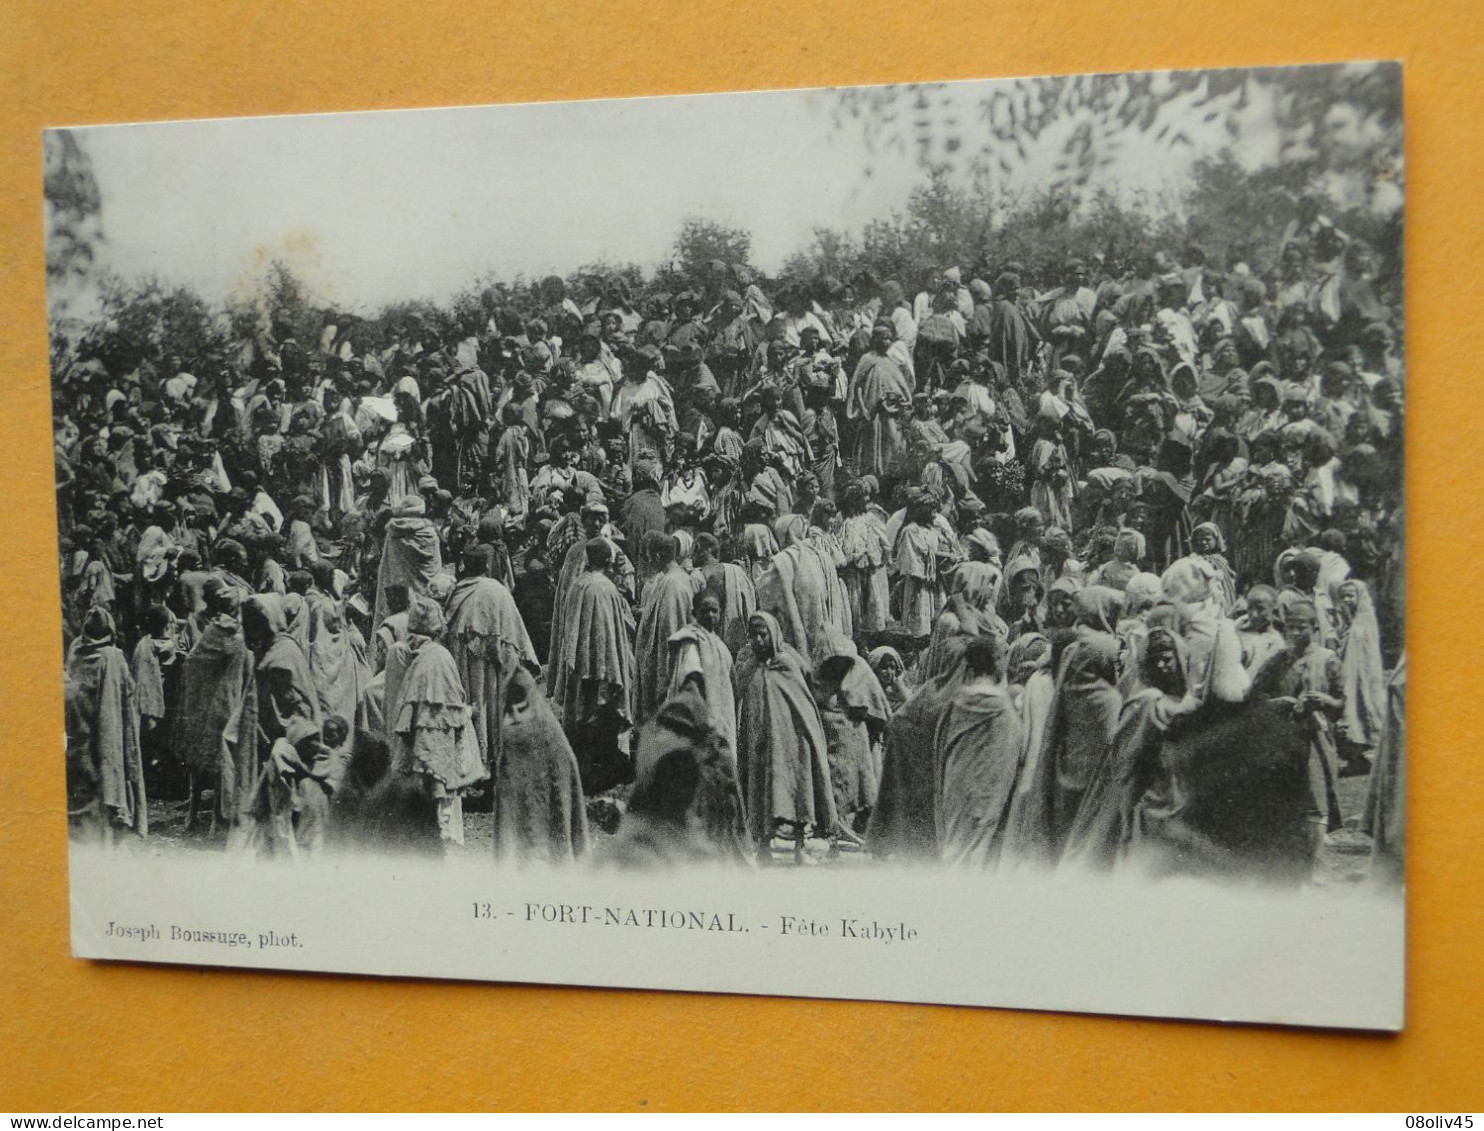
x=630, y=273
x=701, y=241
x=1338, y=121
x=145, y=325
x=1337, y=128
x=1233, y=214
x=74, y=209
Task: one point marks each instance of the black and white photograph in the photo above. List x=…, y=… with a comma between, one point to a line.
x=939, y=542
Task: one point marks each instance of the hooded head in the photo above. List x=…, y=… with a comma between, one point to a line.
x=1163, y=664
x=1093, y=659
x=839, y=654
x=599, y=553
x=646, y=473
x=424, y=617
x=1188, y=582
x=887, y=663
x=1208, y=539
x=764, y=635
x=984, y=657
x=789, y=529
x=478, y=559
x=1098, y=607
x=974, y=586
x=1128, y=546
x=1030, y=653
x=983, y=546
x=1061, y=597
x=98, y=628
x=263, y=621
x=1142, y=593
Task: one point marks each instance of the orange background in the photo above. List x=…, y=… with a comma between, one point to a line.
x=84, y=1036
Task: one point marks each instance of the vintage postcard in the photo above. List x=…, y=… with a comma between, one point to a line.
x=937, y=543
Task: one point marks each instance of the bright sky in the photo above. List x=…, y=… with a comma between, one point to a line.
x=376, y=207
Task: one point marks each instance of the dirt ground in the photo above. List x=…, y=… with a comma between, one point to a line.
x=1344, y=857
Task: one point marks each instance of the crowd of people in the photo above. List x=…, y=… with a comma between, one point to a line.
x=1102, y=568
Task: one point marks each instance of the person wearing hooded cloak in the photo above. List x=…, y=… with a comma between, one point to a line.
x=914, y=559
x=737, y=334
x=863, y=542
x=782, y=753
x=1230, y=795
x=300, y=549
x=820, y=538
x=285, y=692
x=880, y=392
x=399, y=453
x=685, y=808
x=891, y=673
x=1052, y=488
x=697, y=650
x=1079, y=730
x=1384, y=819
x=298, y=775
x=411, y=555
x=231, y=566
x=428, y=721
x=1208, y=545
x=903, y=822
x=854, y=712
x=1312, y=677
x=488, y=642
x=1022, y=603
x=214, y=730
x=593, y=678
x=1103, y=825
x=539, y=812
x=642, y=512
x=897, y=313
x=155, y=665
x=1359, y=729
x=664, y=609
x=91, y=576
x=153, y=559
x=801, y=589
x=781, y=435
x=1028, y=679
x=337, y=659
x=1097, y=609
x=1214, y=650
x=341, y=441
x=512, y=459
x=769, y=490
x=1257, y=633
x=644, y=406
x=105, y=772
x=733, y=588
x=973, y=592
x=1001, y=328
x=977, y=753
x=296, y=618
x=1128, y=552
x=595, y=524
